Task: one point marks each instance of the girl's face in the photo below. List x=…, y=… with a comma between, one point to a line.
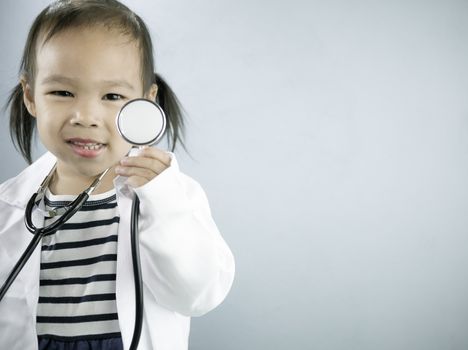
x=83, y=77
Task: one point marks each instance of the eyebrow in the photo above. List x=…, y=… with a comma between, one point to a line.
x=66, y=80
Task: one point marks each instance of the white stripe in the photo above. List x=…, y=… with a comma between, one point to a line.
x=87, y=308
x=78, y=290
x=85, y=216
x=79, y=253
x=102, y=267
x=76, y=329
x=80, y=235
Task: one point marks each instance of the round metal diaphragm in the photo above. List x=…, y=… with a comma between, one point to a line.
x=141, y=122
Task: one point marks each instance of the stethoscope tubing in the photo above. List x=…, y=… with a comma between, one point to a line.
x=137, y=275
x=21, y=262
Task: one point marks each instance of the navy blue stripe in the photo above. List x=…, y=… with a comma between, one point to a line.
x=99, y=207
x=81, y=244
x=103, y=206
x=80, y=337
x=76, y=280
x=76, y=319
x=76, y=300
x=88, y=224
x=79, y=262
x=89, y=203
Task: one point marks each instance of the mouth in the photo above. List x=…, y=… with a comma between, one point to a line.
x=86, y=147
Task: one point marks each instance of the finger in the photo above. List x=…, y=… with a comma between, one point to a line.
x=155, y=153
x=145, y=163
x=146, y=173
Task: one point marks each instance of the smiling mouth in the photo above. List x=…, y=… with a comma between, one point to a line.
x=85, y=145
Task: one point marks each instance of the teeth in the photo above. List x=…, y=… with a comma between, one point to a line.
x=92, y=147
x=88, y=146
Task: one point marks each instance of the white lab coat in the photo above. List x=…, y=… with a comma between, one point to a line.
x=187, y=267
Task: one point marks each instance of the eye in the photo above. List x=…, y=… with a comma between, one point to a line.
x=61, y=93
x=113, y=97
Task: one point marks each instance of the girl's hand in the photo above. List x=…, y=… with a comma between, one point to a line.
x=145, y=166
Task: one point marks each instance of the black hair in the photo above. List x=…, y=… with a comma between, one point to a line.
x=66, y=14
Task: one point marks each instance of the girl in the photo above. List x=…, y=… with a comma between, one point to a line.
x=82, y=61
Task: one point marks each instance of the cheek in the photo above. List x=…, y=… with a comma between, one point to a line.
x=45, y=126
x=49, y=116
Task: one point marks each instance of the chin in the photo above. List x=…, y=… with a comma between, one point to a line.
x=94, y=168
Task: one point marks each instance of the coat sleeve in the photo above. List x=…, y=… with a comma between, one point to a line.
x=186, y=264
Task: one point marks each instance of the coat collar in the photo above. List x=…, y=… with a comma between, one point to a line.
x=18, y=190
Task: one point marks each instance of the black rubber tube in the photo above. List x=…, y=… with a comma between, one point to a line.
x=21, y=262
x=136, y=273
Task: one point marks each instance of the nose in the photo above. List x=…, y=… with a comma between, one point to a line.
x=86, y=114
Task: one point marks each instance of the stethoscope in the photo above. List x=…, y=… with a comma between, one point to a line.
x=141, y=123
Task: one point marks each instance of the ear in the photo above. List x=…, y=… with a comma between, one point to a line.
x=152, y=92
x=28, y=96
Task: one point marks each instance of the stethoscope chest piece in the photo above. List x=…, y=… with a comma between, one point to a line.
x=141, y=122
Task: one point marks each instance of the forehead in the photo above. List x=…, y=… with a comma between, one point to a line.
x=89, y=54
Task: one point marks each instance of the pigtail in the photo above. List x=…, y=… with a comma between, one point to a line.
x=169, y=102
x=22, y=124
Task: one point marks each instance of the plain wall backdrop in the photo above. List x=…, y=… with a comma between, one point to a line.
x=331, y=138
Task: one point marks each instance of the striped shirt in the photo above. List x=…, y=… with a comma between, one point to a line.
x=78, y=272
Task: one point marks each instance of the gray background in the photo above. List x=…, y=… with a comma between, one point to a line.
x=332, y=140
